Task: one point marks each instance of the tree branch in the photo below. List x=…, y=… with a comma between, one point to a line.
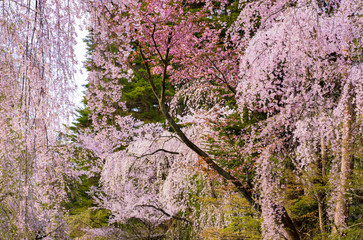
x=166, y=62
x=156, y=46
x=149, y=75
x=159, y=150
x=223, y=79
x=165, y=213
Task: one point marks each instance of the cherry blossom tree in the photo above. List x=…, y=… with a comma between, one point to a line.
x=36, y=73
x=177, y=47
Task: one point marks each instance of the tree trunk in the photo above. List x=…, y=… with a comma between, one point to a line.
x=342, y=206
x=321, y=193
x=321, y=218
x=288, y=226
x=291, y=232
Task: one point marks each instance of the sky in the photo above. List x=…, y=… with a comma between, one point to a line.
x=81, y=75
